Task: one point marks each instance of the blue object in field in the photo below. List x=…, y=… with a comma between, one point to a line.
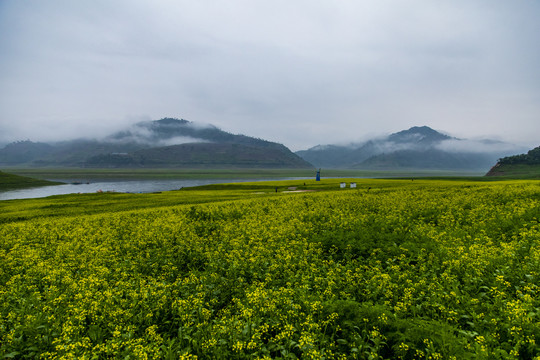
x=318, y=177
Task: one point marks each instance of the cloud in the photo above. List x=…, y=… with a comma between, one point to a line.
x=143, y=133
x=300, y=73
x=479, y=146
x=177, y=140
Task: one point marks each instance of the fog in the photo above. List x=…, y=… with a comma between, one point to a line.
x=481, y=146
x=300, y=73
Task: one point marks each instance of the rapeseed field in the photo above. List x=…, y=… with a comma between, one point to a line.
x=389, y=270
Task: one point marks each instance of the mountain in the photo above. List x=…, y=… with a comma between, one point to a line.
x=192, y=155
x=523, y=165
x=167, y=142
x=432, y=159
x=421, y=136
x=170, y=131
x=419, y=147
x=23, y=151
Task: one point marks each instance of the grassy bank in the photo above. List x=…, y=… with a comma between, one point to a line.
x=14, y=182
x=156, y=174
x=515, y=171
x=84, y=175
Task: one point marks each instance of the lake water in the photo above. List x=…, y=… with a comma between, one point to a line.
x=136, y=186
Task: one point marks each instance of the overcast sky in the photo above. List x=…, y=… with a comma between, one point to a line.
x=298, y=72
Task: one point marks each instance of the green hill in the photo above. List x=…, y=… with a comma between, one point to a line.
x=518, y=166
x=13, y=182
x=162, y=143
x=203, y=155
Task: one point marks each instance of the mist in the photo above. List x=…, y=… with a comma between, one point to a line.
x=480, y=146
x=299, y=73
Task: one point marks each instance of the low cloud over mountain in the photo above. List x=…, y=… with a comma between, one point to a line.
x=415, y=148
x=162, y=143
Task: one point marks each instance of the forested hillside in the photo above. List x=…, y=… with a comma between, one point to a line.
x=522, y=165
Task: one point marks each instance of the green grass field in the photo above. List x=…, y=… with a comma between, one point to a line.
x=394, y=269
x=188, y=174
x=516, y=171
x=13, y=182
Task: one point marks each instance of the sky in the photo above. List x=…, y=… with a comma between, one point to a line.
x=301, y=73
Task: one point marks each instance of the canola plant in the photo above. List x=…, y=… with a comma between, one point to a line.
x=438, y=270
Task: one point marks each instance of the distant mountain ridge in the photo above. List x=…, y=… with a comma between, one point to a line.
x=419, y=147
x=168, y=142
